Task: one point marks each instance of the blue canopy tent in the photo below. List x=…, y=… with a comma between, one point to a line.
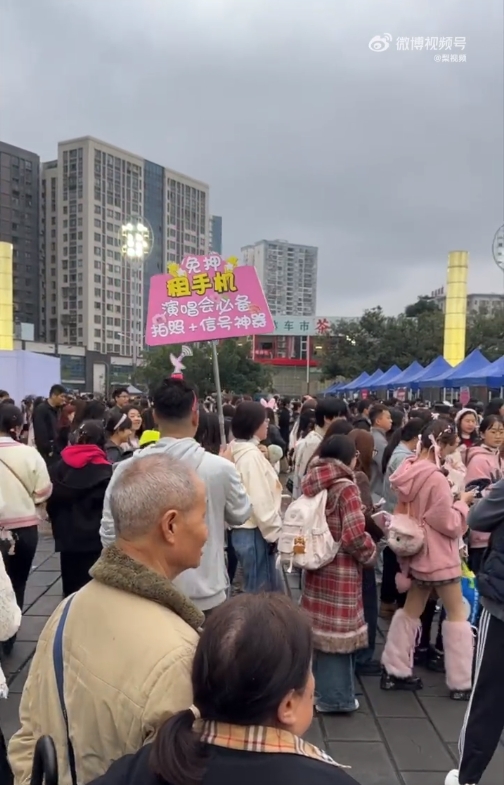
x=383, y=380
x=437, y=366
x=334, y=388
x=473, y=362
x=351, y=385
x=404, y=378
x=365, y=383
x=491, y=375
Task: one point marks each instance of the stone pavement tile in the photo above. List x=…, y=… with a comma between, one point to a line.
x=446, y=715
x=347, y=728
x=31, y=627
x=415, y=745
x=9, y=715
x=43, y=606
x=434, y=684
x=370, y=762
x=43, y=577
x=314, y=734
x=390, y=704
x=18, y=682
x=494, y=775
x=56, y=589
x=358, y=725
x=21, y=653
x=423, y=778
x=45, y=545
x=32, y=593
x=47, y=561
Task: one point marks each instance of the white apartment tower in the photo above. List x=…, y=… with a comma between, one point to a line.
x=94, y=296
x=288, y=274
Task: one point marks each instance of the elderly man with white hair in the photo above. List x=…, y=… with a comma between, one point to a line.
x=115, y=658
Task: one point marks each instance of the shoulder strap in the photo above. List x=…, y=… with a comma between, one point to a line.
x=59, y=672
x=20, y=481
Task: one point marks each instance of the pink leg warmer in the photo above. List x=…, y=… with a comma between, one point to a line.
x=458, y=642
x=397, y=657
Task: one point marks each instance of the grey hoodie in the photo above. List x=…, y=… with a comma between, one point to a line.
x=399, y=455
x=227, y=503
x=380, y=443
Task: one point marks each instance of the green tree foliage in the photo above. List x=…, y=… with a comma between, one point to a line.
x=379, y=341
x=238, y=373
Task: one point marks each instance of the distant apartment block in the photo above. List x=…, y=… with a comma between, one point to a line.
x=215, y=234
x=95, y=297
x=288, y=274
x=475, y=302
x=19, y=225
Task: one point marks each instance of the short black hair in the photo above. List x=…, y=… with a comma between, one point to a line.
x=117, y=421
x=174, y=399
x=119, y=391
x=4, y=394
x=376, y=410
x=56, y=389
x=10, y=417
x=329, y=409
x=363, y=405
x=247, y=419
x=91, y=432
x=340, y=447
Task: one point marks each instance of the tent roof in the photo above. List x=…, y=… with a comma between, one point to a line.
x=491, y=375
x=472, y=362
x=408, y=374
x=351, y=385
x=434, y=368
x=383, y=380
x=364, y=383
x=331, y=389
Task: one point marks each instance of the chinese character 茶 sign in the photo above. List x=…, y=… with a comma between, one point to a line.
x=206, y=298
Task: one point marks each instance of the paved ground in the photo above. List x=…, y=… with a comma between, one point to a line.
x=394, y=739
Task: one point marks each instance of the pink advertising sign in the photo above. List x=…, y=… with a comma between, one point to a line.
x=206, y=298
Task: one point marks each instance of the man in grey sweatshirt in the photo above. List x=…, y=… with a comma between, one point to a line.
x=177, y=413
x=381, y=423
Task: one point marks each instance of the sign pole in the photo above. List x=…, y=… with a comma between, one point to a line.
x=220, y=410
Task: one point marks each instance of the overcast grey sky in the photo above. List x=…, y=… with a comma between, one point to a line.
x=384, y=160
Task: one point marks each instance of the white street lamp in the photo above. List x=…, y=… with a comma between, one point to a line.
x=136, y=244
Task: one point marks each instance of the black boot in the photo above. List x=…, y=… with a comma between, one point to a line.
x=394, y=683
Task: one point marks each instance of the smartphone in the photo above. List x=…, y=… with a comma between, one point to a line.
x=381, y=519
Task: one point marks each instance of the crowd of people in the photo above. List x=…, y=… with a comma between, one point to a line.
x=149, y=662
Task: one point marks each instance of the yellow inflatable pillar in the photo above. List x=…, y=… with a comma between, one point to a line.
x=6, y=302
x=456, y=307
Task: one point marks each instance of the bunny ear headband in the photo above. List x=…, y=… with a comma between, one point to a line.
x=268, y=404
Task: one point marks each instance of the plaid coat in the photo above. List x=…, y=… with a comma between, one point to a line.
x=332, y=596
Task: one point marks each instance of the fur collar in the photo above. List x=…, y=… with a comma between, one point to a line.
x=114, y=568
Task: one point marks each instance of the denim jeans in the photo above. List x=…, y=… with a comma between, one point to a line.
x=334, y=682
x=370, y=603
x=256, y=560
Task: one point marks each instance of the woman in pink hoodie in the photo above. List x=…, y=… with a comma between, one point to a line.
x=484, y=463
x=424, y=492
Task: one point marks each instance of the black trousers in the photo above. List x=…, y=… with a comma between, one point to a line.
x=18, y=565
x=484, y=720
x=75, y=570
x=388, y=591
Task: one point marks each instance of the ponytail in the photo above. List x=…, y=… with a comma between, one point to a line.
x=178, y=756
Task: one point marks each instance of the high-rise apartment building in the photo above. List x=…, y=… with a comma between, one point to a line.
x=288, y=274
x=97, y=298
x=215, y=233
x=19, y=225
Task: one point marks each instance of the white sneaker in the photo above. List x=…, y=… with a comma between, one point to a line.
x=357, y=706
x=452, y=778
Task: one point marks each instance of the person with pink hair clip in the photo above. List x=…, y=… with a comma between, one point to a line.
x=425, y=496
